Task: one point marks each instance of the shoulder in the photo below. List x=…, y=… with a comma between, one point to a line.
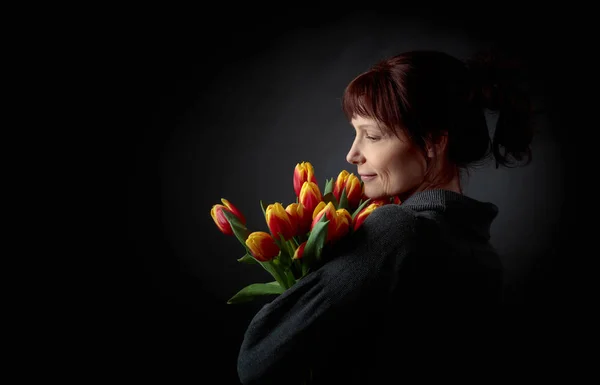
x=387, y=228
x=391, y=217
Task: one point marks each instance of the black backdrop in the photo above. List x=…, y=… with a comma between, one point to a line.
x=196, y=88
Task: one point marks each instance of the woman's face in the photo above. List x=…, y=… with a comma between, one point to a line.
x=387, y=165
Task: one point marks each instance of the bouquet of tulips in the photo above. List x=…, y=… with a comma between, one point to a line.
x=297, y=233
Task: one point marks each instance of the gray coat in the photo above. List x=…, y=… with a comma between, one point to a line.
x=419, y=284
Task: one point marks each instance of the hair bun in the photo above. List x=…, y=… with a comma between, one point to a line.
x=498, y=86
x=494, y=75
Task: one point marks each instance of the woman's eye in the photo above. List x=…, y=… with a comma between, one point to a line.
x=371, y=138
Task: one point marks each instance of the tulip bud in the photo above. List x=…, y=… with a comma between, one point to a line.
x=340, y=183
x=279, y=221
x=300, y=217
x=396, y=200
x=310, y=196
x=299, y=251
x=339, y=221
x=343, y=222
x=354, y=191
x=365, y=212
x=318, y=209
x=262, y=246
x=216, y=212
x=303, y=172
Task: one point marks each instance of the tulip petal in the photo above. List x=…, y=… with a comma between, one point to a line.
x=216, y=212
x=234, y=210
x=239, y=230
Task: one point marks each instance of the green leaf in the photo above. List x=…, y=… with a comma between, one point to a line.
x=290, y=277
x=328, y=186
x=362, y=206
x=264, y=206
x=296, y=269
x=255, y=290
x=331, y=198
x=284, y=256
x=281, y=266
x=344, y=200
x=316, y=242
x=239, y=230
x=305, y=269
x=274, y=268
x=248, y=259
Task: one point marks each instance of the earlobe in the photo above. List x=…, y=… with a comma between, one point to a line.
x=441, y=143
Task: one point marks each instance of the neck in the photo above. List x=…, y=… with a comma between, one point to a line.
x=452, y=184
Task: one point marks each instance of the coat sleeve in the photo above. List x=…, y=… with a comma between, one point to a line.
x=304, y=325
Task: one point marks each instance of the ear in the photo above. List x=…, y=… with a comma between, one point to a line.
x=437, y=146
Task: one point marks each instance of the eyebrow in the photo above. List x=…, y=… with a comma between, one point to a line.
x=364, y=126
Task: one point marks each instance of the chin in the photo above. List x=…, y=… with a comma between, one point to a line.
x=373, y=196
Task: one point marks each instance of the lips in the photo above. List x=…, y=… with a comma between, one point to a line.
x=366, y=177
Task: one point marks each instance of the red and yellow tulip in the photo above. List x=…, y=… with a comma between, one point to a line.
x=216, y=212
x=300, y=217
x=262, y=246
x=317, y=210
x=354, y=190
x=310, y=196
x=279, y=221
x=366, y=211
x=344, y=221
x=303, y=172
x=299, y=251
x=339, y=221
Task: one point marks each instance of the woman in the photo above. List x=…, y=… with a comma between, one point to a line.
x=419, y=284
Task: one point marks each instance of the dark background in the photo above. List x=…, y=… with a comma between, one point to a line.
x=225, y=105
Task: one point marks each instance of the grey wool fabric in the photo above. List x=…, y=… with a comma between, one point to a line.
x=415, y=284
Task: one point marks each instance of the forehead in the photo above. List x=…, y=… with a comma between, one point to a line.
x=364, y=122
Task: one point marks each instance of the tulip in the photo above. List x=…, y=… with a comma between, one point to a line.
x=310, y=196
x=396, y=200
x=354, y=189
x=344, y=221
x=303, y=172
x=299, y=251
x=339, y=221
x=216, y=212
x=366, y=211
x=262, y=246
x=318, y=209
x=279, y=221
x=340, y=182
x=299, y=216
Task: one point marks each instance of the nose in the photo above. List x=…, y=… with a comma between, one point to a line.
x=354, y=156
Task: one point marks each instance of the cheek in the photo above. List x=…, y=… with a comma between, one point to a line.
x=407, y=170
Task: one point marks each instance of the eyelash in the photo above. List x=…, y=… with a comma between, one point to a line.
x=371, y=138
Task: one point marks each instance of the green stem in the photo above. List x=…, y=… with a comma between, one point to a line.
x=291, y=247
x=296, y=243
x=291, y=250
x=290, y=278
x=276, y=273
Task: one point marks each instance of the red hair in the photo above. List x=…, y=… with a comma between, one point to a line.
x=429, y=94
